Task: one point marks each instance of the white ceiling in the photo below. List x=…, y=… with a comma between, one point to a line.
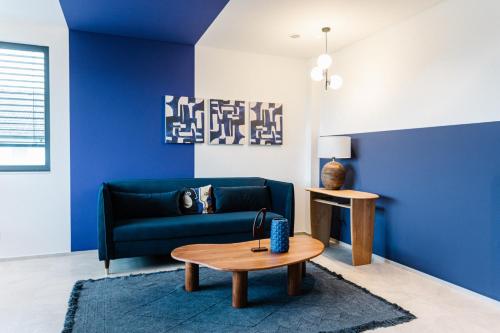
x=264, y=26
x=44, y=12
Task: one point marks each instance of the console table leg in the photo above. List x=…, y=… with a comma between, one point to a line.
x=294, y=279
x=240, y=289
x=321, y=220
x=362, y=220
x=192, y=277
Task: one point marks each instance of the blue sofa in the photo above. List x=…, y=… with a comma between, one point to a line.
x=121, y=237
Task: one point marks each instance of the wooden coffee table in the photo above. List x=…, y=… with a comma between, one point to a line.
x=238, y=259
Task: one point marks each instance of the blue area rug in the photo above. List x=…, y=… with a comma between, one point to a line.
x=157, y=302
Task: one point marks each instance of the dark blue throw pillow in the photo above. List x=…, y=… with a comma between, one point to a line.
x=241, y=198
x=137, y=205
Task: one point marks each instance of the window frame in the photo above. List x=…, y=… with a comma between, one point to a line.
x=45, y=51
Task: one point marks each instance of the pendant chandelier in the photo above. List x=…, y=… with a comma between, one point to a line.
x=320, y=72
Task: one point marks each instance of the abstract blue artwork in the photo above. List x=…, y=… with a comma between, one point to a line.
x=266, y=123
x=184, y=119
x=227, y=122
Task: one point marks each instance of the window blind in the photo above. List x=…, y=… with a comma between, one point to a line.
x=22, y=97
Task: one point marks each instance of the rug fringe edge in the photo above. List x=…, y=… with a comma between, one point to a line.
x=69, y=320
x=408, y=316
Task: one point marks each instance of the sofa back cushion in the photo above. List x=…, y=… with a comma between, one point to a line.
x=167, y=185
x=136, y=205
x=241, y=198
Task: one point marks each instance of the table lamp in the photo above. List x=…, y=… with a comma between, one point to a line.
x=333, y=173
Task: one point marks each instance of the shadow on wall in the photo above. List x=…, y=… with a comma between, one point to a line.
x=495, y=231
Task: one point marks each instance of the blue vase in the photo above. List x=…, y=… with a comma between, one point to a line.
x=279, y=235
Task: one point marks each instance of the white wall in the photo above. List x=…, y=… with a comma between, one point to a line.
x=440, y=67
x=35, y=206
x=256, y=77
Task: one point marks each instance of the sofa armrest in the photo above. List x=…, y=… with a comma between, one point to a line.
x=105, y=223
x=283, y=200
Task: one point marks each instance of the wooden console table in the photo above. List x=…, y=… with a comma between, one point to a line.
x=362, y=207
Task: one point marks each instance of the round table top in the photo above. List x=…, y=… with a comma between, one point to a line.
x=237, y=257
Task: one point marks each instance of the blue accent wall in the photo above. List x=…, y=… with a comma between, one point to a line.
x=117, y=86
x=439, y=210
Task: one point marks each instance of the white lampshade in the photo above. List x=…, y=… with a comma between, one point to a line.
x=336, y=82
x=334, y=147
x=317, y=74
x=324, y=61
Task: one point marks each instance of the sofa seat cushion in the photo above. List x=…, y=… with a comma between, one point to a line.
x=187, y=226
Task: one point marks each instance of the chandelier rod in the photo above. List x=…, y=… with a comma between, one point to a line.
x=326, y=42
x=326, y=30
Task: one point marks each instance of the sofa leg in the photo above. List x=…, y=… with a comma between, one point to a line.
x=106, y=266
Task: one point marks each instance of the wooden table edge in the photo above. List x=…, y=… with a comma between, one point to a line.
x=367, y=195
x=204, y=264
x=251, y=269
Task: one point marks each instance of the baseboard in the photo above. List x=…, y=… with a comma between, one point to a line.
x=379, y=259
x=41, y=256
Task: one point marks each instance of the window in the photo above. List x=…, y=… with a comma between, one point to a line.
x=24, y=107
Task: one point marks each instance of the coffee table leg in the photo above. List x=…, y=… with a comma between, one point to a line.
x=240, y=289
x=303, y=269
x=294, y=279
x=192, y=278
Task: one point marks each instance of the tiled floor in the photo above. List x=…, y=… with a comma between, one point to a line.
x=34, y=292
